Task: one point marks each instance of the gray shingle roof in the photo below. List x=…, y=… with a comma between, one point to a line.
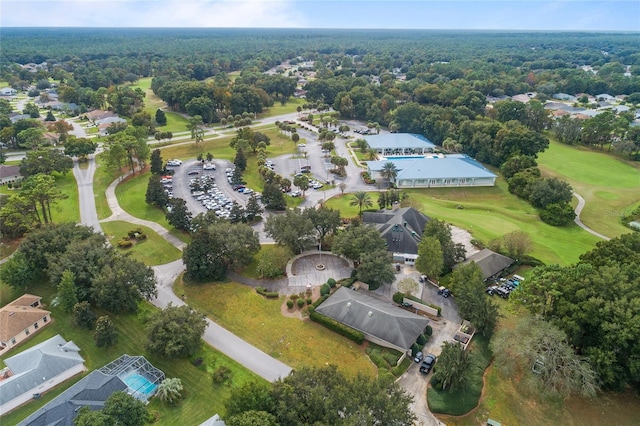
x=374, y=317
x=489, y=262
x=402, y=228
x=36, y=365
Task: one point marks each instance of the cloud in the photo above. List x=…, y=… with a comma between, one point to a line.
x=152, y=13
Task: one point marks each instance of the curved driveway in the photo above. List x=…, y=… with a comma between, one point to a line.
x=578, y=222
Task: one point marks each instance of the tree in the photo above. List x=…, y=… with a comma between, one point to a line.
x=517, y=243
x=197, y=134
x=253, y=208
x=452, y=253
x=389, y=171
x=521, y=183
x=550, y=191
x=408, y=286
x=558, y=214
x=175, y=332
x=357, y=240
x=295, y=138
x=252, y=418
x=240, y=160
x=237, y=213
x=273, y=263
x=340, y=163
x=542, y=352
x=31, y=109
x=67, y=293
x=50, y=116
x=375, y=269
x=178, y=215
x=41, y=191
x=272, y=197
x=454, y=366
x=170, y=390
x=79, y=147
x=156, y=194
x=362, y=200
x=216, y=248
x=161, y=117
x=125, y=410
x=157, y=165
x=88, y=417
x=325, y=221
x=515, y=164
x=83, y=315
x=106, y=333
x=302, y=182
x=45, y=162
x=324, y=396
x=122, y=284
x=17, y=216
x=30, y=138
x=292, y=229
x=342, y=187
x=430, y=260
x=18, y=272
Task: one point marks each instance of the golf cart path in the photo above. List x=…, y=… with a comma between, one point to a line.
x=579, y=207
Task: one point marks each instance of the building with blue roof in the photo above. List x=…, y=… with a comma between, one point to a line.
x=435, y=171
x=393, y=144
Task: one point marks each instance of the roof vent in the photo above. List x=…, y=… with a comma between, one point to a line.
x=370, y=314
x=349, y=305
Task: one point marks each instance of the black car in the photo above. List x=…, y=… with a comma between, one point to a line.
x=427, y=363
x=193, y=173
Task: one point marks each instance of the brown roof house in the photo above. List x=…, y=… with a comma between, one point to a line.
x=20, y=319
x=9, y=173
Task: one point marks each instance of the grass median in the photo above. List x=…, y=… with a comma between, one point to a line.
x=153, y=250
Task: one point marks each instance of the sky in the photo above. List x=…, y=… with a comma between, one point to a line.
x=578, y=15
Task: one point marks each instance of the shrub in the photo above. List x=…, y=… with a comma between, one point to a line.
x=300, y=303
x=386, y=378
x=428, y=331
x=268, y=294
x=290, y=304
x=422, y=340
x=390, y=357
x=331, y=324
x=331, y=282
x=309, y=301
x=318, y=303
x=141, y=236
x=398, y=297
x=197, y=362
x=125, y=244
x=477, y=243
x=415, y=348
x=134, y=233
x=222, y=374
x=325, y=290
x=153, y=416
x=438, y=308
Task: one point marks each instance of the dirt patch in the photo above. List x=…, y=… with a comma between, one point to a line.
x=462, y=236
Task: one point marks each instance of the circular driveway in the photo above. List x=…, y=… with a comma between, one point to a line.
x=302, y=270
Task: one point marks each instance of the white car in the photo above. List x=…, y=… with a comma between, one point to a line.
x=174, y=163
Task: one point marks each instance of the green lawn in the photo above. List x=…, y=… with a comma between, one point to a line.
x=608, y=184
x=154, y=250
x=260, y=322
x=67, y=210
x=489, y=213
x=131, y=197
x=279, y=109
x=101, y=180
x=202, y=400
x=465, y=399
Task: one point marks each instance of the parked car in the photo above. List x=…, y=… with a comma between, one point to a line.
x=193, y=173
x=419, y=356
x=428, y=363
x=444, y=292
x=406, y=305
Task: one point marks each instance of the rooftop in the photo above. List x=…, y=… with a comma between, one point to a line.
x=19, y=315
x=454, y=166
x=489, y=262
x=404, y=140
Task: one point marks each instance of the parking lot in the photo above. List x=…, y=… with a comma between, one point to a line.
x=206, y=187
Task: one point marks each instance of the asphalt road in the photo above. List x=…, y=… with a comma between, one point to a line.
x=84, y=180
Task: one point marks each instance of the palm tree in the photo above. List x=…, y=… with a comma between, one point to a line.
x=170, y=390
x=389, y=171
x=361, y=199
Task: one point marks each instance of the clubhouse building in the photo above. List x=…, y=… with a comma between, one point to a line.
x=418, y=166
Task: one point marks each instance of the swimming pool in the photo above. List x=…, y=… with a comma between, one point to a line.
x=139, y=383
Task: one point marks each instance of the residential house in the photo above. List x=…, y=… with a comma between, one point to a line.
x=20, y=319
x=131, y=374
x=491, y=263
x=9, y=174
x=36, y=370
x=435, y=171
x=401, y=229
x=381, y=322
x=524, y=97
x=8, y=91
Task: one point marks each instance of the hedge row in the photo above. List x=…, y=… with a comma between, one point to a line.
x=317, y=303
x=268, y=294
x=339, y=328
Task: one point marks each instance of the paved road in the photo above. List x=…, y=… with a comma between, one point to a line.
x=86, y=197
x=579, y=207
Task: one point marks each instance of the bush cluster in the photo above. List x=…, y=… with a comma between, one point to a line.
x=268, y=294
x=366, y=177
x=339, y=328
x=318, y=302
x=325, y=289
x=125, y=244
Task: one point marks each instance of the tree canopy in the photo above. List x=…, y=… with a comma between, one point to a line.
x=175, y=332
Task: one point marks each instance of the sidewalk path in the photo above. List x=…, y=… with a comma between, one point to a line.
x=579, y=207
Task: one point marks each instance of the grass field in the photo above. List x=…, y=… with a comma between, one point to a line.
x=154, y=250
x=67, y=210
x=279, y=109
x=259, y=321
x=175, y=121
x=609, y=185
x=131, y=197
x=202, y=400
x=489, y=213
x=101, y=180
x=465, y=399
